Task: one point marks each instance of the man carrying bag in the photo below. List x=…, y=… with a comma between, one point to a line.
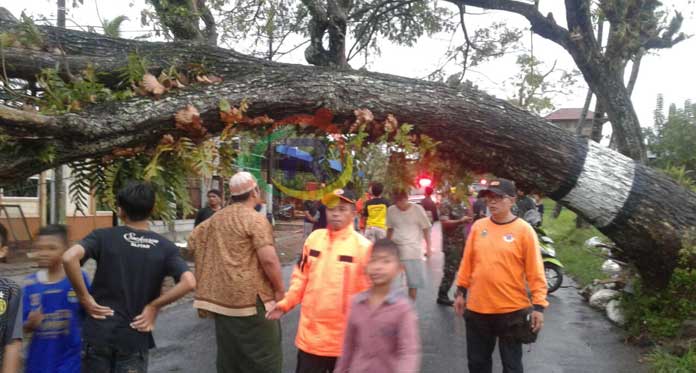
x=501, y=258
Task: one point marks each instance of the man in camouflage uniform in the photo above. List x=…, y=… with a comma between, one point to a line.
x=454, y=217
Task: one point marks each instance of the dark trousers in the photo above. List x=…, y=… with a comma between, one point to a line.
x=482, y=331
x=308, y=363
x=450, y=266
x=110, y=360
x=248, y=344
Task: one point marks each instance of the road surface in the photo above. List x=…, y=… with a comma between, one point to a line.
x=575, y=339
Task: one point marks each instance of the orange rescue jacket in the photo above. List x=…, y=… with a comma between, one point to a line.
x=500, y=262
x=330, y=271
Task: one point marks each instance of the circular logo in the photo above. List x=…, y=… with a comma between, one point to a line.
x=253, y=163
x=3, y=307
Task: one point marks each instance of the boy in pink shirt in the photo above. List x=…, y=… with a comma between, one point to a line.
x=382, y=332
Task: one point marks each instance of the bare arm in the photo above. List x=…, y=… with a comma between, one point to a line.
x=186, y=284
x=448, y=223
x=390, y=233
x=295, y=293
x=271, y=266
x=71, y=263
x=12, y=357
x=310, y=217
x=145, y=322
x=428, y=242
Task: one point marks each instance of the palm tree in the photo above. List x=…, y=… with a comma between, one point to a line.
x=113, y=28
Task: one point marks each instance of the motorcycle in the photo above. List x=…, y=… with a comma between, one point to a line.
x=553, y=268
x=286, y=212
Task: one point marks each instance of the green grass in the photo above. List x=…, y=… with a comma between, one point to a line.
x=579, y=262
x=658, y=315
x=664, y=362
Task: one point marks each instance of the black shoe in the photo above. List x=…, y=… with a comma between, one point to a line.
x=445, y=302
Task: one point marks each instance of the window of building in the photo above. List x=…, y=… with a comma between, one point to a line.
x=24, y=188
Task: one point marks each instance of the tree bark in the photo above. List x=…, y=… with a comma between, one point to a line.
x=332, y=19
x=601, y=73
x=583, y=113
x=622, y=198
x=182, y=17
x=579, y=221
x=634, y=73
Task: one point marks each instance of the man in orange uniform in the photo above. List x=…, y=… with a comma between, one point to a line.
x=500, y=258
x=330, y=271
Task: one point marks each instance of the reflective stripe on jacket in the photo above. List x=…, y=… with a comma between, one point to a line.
x=330, y=271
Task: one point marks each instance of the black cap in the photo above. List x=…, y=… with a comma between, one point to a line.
x=331, y=199
x=214, y=191
x=501, y=187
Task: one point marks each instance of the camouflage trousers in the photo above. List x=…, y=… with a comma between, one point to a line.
x=453, y=256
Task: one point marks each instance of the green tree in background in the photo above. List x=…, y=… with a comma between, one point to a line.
x=673, y=140
x=535, y=84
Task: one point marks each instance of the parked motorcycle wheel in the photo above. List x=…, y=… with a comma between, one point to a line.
x=554, y=277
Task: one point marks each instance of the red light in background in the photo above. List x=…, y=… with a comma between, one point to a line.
x=484, y=182
x=425, y=182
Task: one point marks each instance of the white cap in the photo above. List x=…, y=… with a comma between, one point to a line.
x=242, y=182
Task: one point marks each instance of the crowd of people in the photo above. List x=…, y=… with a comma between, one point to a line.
x=357, y=277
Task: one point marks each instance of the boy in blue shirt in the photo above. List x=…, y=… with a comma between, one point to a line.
x=10, y=317
x=51, y=309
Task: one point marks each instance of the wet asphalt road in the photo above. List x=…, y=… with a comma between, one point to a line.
x=575, y=339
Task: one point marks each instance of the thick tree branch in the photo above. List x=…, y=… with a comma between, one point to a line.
x=579, y=21
x=24, y=119
x=635, y=68
x=670, y=37
x=622, y=198
x=108, y=56
x=209, y=21
x=543, y=26
x=181, y=18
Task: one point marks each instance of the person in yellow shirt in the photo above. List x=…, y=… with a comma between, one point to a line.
x=501, y=258
x=375, y=214
x=331, y=269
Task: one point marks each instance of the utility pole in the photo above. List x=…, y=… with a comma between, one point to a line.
x=58, y=190
x=269, y=178
x=269, y=170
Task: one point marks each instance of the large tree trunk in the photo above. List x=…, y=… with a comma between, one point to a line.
x=624, y=199
x=603, y=73
x=609, y=87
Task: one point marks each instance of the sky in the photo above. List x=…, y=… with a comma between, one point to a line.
x=670, y=72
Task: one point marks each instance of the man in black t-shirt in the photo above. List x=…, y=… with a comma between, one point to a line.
x=524, y=203
x=321, y=222
x=214, y=205
x=311, y=217
x=132, y=262
x=480, y=208
x=429, y=205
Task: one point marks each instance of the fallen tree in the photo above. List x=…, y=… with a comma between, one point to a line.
x=643, y=211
